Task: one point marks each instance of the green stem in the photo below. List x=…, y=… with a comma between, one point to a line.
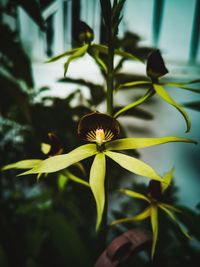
x=110, y=74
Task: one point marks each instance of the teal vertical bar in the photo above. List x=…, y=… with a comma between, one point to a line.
x=195, y=33
x=158, y=10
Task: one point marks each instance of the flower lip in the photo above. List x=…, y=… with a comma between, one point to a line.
x=83, y=34
x=155, y=65
x=98, y=127
x=154, y=190
x=56, y=147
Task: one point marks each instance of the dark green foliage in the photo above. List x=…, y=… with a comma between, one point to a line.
x=193, y=105
x=33, y=9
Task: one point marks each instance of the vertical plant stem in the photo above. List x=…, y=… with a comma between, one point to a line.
x=110, y=74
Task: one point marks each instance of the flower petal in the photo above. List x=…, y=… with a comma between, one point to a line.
x=78, y=53
x=135, y=143
x=154, y=225
x=134, y=194
x=134, y=165
x=67, y=53
x=132, y=84
x=169, y=207
x=167, y=177
x=94, y=53
x=60, y=162
x=127, y=55
x=75, y=178
x=155, y=65
x=90, y=123
x=171, y=215
x=167, y=98
x=139, y=217
x=182, y=86
x=141, y=100
x=97, y=178
x=22, y=164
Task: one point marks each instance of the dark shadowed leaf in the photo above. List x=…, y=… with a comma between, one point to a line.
x=136, y=112
x=13, y=57
x=192, y=105
x=33, y=9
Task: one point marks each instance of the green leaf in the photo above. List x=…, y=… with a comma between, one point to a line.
x=134, y=194
x=134, y=165
x=154, y=225
x=22, y=164
x=171, y=215
x=75, y=178
x=141, y=100
x=167, y=98
x=132, y=84
x=140, y=217
x=67, y=53
x=34, y=11
x=60, y=162
x=77, y=54
x=127, y=55
x=136, y=143
x=167, y=177
x=97, y=178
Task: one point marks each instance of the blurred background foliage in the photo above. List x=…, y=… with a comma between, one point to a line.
x=48, y=223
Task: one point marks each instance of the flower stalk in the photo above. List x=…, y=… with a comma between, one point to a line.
x=110, y=74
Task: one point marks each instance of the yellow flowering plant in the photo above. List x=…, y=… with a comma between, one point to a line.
x=101, y=131
x=156, y=69
x=154, y=200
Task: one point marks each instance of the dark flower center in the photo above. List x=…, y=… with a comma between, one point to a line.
x=98, y=127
